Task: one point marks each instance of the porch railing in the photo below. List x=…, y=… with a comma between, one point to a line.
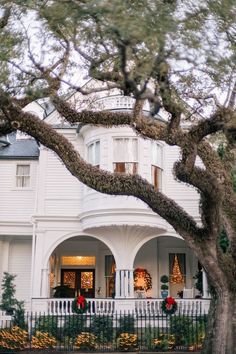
x=108, y=306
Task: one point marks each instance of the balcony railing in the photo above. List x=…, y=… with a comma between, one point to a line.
x=108, y=306
x=117, y=103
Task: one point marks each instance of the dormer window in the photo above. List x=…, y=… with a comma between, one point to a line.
x=125, y=155
x=23, y=176
x=94, y=153
x=156, y=165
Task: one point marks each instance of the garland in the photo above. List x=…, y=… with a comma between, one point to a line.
x=79, y=305
x=169, y=306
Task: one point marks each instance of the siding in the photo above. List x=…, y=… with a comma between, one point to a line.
x=20, y=264
x=16, y=204
x=62, y=191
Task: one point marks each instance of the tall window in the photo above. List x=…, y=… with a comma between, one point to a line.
x=94, y=153
x=23, y=176
x=125, y=155
x=156, y=165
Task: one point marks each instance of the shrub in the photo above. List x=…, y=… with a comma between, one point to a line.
x=86, y=341
x=126, y=324
x=13, y=338
x=43, y=340
x=74, y=325
x=48, y=324
x=164, y=342
x=188, y=330
x=102, y=327
x=127, y=342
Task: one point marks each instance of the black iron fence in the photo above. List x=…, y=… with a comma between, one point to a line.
x=104, y=333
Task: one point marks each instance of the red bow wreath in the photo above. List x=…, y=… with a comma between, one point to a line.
x=79, y=305
x=169, y=306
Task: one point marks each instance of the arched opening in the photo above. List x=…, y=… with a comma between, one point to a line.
x=82, y=265
x=165, y=255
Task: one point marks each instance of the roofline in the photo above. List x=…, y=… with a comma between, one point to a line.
x=19, y=157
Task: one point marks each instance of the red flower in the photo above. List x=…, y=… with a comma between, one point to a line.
x=81, y=301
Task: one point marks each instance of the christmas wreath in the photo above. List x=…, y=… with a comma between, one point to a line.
x=169, y=306
x=79, y=305
x=146, y=277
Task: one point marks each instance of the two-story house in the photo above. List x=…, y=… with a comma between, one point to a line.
x=56, y=231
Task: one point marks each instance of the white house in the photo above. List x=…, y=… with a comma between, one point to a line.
x=55, y=230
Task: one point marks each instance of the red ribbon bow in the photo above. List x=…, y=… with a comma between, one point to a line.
x=169, y=302
x=81, y=301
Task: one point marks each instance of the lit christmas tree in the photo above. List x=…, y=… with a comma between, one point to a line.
x=176, y=276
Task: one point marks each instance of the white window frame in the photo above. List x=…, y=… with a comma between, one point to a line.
x=159, y=166
x=93, y=145
x=22, y=176
x=125, y=161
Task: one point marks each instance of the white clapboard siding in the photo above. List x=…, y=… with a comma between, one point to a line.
x=17, y=204
x=20, y=265
x=63, y=191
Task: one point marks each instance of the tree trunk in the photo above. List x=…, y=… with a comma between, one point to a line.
x=221, y=338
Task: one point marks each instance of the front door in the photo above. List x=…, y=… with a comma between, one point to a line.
x=80, y=280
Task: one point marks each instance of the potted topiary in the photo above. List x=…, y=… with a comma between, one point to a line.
x=164, y=287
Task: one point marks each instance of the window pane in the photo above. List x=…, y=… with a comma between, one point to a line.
x=97, y=153
x=156, y=155
x=94, y=153
x=118, y=149
x=156, y=177
x=23, y=176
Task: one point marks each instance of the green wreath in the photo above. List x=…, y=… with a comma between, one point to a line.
x=169, y=306
x=79, y=305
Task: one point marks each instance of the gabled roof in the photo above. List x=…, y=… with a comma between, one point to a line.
x=25, y=149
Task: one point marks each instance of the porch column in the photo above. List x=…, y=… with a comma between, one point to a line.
x=204, y=285
x=124, y=283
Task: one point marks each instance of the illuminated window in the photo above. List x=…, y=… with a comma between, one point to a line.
x=94, y=153
x=86, y=280
x=23, y=176
x=125, y=155
x=78, y=260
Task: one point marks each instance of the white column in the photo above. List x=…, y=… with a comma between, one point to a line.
x=124, y=283
x=204, y=285
x=118, y=284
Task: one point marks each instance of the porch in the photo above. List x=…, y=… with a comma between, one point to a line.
x=63, y=306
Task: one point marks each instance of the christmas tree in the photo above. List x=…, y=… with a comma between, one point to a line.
x=176, y=276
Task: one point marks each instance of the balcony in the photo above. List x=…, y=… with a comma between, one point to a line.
x=117, y=102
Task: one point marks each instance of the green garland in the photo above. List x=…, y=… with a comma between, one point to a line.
x=169, y=306
x=79, y=305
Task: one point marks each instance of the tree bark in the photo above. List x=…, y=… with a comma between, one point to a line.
x=221, y=332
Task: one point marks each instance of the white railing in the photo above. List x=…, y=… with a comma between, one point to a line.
x=107, y=306
x=117, y=102
x=5, y=320
x=153, y=306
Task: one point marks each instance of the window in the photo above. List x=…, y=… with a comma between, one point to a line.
x=156, y=165
x=125, y=155
x=94, y=153
x=23, y=176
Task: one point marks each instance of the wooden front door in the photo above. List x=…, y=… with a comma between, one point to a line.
x=80, y=280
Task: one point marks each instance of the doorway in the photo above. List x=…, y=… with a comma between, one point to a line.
x=80, y=280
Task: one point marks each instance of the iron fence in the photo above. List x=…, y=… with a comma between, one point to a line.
x=104, y=333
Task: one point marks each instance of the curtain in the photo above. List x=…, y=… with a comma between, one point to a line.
x=125, y=150
x=156, y=155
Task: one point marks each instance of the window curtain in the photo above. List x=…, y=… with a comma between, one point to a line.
x=125, y=150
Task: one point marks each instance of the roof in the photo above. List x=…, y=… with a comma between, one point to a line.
x=25, y=149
